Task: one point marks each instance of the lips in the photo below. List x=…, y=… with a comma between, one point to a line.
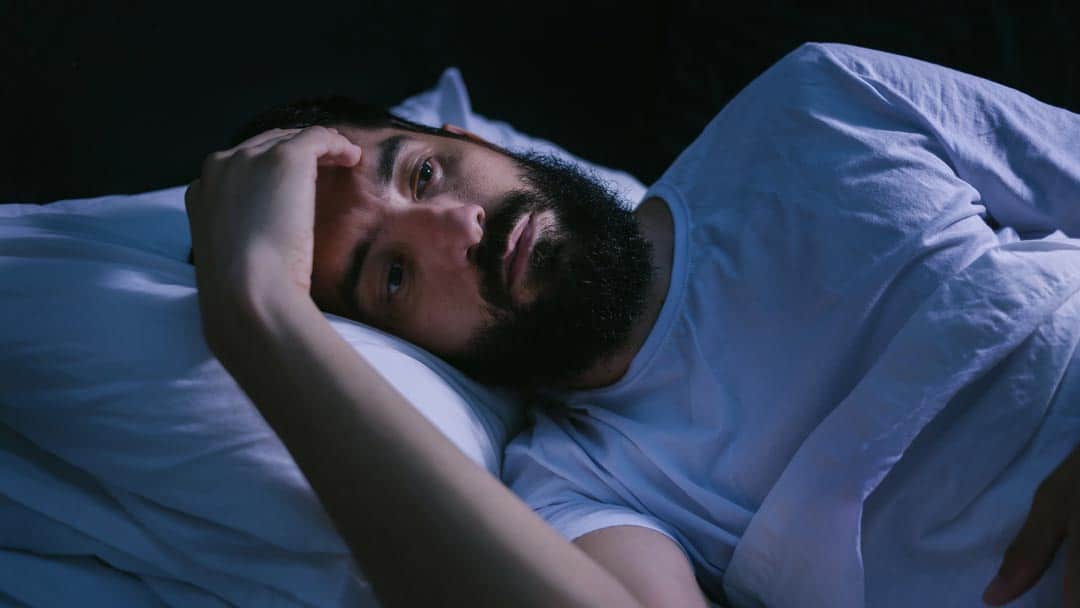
x=519, y=246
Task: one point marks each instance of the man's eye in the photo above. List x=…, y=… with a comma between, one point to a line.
x=423, y=175
x=394, y=278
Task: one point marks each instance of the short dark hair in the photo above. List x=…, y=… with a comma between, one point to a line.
x=324, y=111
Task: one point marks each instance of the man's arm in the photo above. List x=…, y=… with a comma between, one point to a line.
x=1022, y=155
x=648, y=563
x=426, y=524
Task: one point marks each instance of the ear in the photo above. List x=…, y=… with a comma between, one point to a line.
x=467, y=134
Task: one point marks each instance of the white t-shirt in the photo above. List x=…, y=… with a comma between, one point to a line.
x=812, y=217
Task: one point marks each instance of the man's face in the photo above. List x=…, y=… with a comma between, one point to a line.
x=431, y=239
x=396, y=236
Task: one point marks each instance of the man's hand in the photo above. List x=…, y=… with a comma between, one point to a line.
x=252, y=215
x=1054, y=519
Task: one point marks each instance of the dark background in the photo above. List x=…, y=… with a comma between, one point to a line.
x=108, y=97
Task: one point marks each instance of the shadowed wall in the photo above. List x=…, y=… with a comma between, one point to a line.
x=109, y=97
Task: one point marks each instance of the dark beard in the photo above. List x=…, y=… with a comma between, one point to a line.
x=593, y=276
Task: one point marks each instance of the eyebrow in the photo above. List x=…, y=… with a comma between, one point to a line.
x=347, y=288
x=388, y=152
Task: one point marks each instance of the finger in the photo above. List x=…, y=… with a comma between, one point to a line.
x=327, y=145
x=214, y=164
x=267, y=143
x=345, y=153
x=259, y=139
x=338, y=150
x=1033, y=548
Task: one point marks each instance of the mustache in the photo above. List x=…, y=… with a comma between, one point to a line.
x=493, y=244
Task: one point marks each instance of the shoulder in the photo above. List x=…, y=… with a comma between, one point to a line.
x=789, y=85
x=817, y=65
x=811, y=57
x=818, y=62
x=807, y=59
x=772, y=106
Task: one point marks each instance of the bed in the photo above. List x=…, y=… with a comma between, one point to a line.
x=133, y=470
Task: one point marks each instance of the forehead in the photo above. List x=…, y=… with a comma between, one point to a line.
x=470, y=171
x=370, y=138
x=355, y=208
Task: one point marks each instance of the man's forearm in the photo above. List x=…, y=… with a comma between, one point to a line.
x=425, y=523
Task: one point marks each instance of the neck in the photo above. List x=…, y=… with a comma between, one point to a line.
x=656, y=225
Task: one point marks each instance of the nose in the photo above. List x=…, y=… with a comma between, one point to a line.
x=457, y=232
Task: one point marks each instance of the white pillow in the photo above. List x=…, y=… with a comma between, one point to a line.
x=131, y=465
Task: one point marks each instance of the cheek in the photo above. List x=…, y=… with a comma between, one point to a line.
x=328, y=267
x=450, y=318
x=329, y=243
x=335, y=237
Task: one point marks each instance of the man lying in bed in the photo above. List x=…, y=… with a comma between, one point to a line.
x=816, y=279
